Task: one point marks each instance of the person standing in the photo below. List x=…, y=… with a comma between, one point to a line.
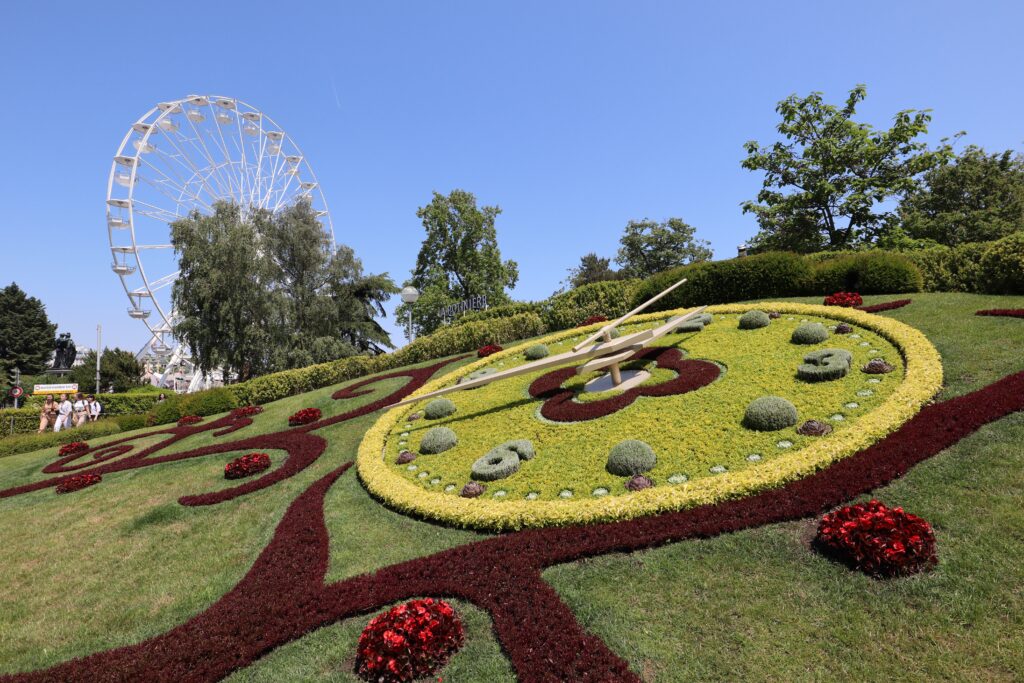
x=81, y=410
x=48, y=414
x=63, y=414
x=94, y=408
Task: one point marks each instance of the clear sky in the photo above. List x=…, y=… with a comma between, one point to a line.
x=573, y=117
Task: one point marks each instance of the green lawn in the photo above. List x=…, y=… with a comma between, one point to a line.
x=120, y=562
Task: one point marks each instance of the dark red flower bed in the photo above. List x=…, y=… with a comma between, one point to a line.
x=409, y=641
x=73, y=448
x=77, y=482
x=189, y=420
x=845, y=299
x=1006, y=312
x=246, y=411
x=488, y=350
x=879, y=541
x=887, y=306
x=592, y=320
x=304, y=417
x=246, y=465
x=559, y=406
x=283, y=596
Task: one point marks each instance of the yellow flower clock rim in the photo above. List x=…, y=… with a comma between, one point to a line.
x=922, y=380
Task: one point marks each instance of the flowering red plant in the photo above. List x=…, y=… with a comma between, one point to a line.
x=485, y=351
x=878, y=540
x=246, y=465
x=594, y=319
x=79, y=481
x=409, y=641
x=845, y=299
x=246, y=411
x=189, y=420
x=304, y=417
x=73, y=448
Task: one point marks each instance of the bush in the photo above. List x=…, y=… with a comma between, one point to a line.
x=951, y=270
x=608, y=299
x=128, y=423
x=825, y=365
x=23, y=443
x=502, y=311
x=769, y=414
x=873, y=272
x=438, y=408
x=809, y=333
x=1002, y=265
x=438, y=440
x=113, y=404
x=761, y=276
x=502, y=461
x=751, y=320
x=209, y=402
x=631, y=457
x=844, y=299
x=408, y=642
x=536, y=352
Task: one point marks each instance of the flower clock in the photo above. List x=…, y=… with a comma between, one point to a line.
x=246, y=465
x=73, y=448
x=304, y=417
x=878, y=540
x=409, y=641
x=844, y=299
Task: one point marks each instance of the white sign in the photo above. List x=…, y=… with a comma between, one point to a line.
x=54, y=389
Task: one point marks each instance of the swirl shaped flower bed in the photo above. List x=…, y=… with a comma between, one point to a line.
x=689, y=408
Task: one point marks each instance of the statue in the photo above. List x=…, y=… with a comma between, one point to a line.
x=65, y=352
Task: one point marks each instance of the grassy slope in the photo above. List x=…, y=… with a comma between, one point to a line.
x=756, y=605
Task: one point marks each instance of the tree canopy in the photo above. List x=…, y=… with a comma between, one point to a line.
x=975, y=198
x=826, y=180
x=458, y=259
x=26, y=333
x=260, y=292
x=118, y=367
x=650, y=247
x=592, y=268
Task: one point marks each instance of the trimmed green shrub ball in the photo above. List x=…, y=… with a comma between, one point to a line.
x=631, y=457
x=809, y=333
x=690, y=325
x=502, y=461
x=536, y=352
x=438, y=408
x=825, y=365
x=770, y=413
x=705, y=318
x=751, y=320
x=438, y=440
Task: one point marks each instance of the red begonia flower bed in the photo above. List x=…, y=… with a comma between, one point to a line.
x=845, y=299
x=887, y=306
x=409, y=641
x=246, y=411
x=1007, y=312
x=73, y=448
x=304, y=417
x=189, y=420
x=488, y=350
x=878, y=540
x=246, y=465
x=78, y=482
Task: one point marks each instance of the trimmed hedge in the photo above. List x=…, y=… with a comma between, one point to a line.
x=873, y=272
x=113, y=404
x=610, y=299
x=503, y=311
x=1002, y=265
x=946, y=269
x=23, y=443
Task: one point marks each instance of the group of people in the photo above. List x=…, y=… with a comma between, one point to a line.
x=65, y=413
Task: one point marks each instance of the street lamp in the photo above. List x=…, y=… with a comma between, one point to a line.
x=410, y=295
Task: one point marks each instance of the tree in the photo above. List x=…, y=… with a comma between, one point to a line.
x=650, y=247
x=260, y=292
x=824, y=181
x=117, y=367
x=976, y=198
x=26, y=334
x=592, y=268
x=458, y=259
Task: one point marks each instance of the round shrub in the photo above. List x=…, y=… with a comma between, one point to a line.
x=809, y=333
x=770, y=413
x=438, y=408
x=825, y=365
x=536, y=352
x=631, y=457
x=752, y=320
x=438, y=440
x=1002, y=265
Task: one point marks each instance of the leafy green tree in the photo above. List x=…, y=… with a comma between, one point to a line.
x=826, y=179
x=458, y=259
x=592, y=268
x=976, y=198
x=117, y=367
x=650, y=247
x=261, y=292
x=26, y=334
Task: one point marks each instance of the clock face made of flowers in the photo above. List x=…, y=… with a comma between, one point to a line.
x=534, y=449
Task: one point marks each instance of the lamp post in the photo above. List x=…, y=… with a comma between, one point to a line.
x=410, y=295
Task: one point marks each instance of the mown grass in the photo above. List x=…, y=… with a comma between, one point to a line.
x=123, y=561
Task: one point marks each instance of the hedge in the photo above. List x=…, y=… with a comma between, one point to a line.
x=23, y=443
x=503, y=311
x=610, y=299
x=871, y=272
x=113, y=404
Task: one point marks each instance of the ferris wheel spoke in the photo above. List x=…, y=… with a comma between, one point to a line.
x=164, y=281
x=196, y=171
x=161, y=187
x=223, y=147
x=224, y=190
x=243, y=174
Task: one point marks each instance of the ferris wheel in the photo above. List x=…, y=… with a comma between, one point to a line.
x=182, y=156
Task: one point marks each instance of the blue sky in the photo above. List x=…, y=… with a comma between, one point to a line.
x=574, y=117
